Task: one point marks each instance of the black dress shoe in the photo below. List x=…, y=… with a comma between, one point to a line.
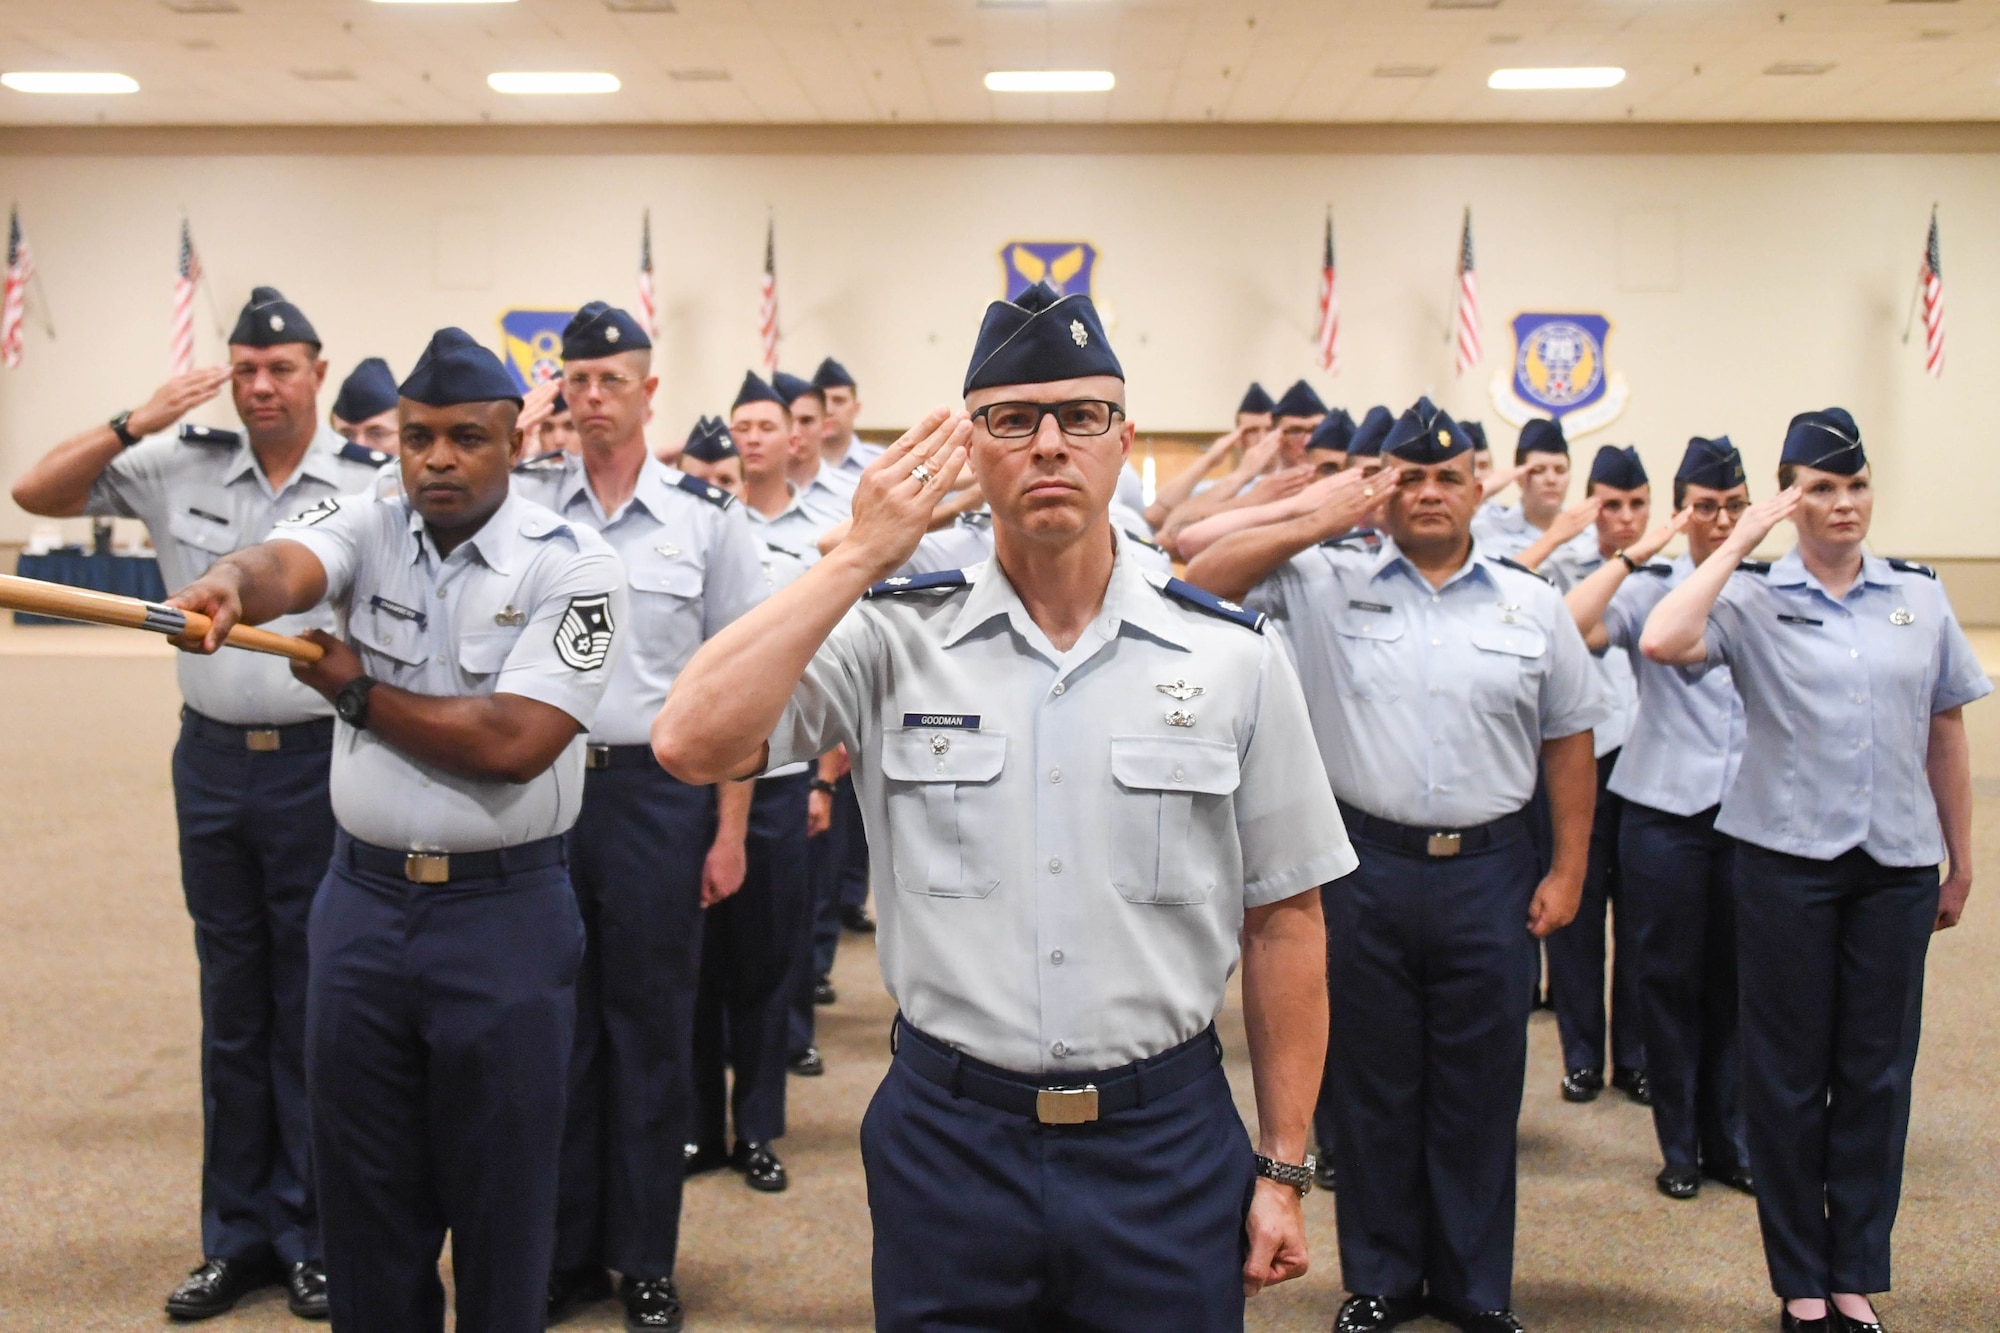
x=305, y=1290
x=699, y=1160
x=824, y=993
x=1842, y=1322
x=1791, y=1323
x=1476, y=1321
x=651, y=1305
x=1678, y=1182
x=1324, y=1176
x=1736, y=1177
x=1365, y=1314
x=1633, y=1083
x=216, y=1286
x=1582, y=1085
x=571, y=1289
x=807, y=1063
x=762, y=1171
x=857, y=920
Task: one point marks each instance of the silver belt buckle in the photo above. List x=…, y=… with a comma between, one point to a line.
x=1066, y=1106
x=427, y=868
x=1444, y=844
x=263, y=740
x=597, y=756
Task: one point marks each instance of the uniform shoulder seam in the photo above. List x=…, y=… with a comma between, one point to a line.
x=702, y=490
x=1209, y=604
x=1511, y=563
x=943, y=580
x=1912, y=567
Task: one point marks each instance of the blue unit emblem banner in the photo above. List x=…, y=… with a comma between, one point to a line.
x=1559, y=371
x=1066, y=266
x=531, y=345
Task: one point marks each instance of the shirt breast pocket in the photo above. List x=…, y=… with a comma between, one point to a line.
x=666, y=607
x=1171, y=821
x=1506, y=670
x=387, y=642
x=484, y=653
x=206, y=528
x=1369, y=644
x=945, y=818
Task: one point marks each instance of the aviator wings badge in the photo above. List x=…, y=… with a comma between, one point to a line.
x=1180, y=690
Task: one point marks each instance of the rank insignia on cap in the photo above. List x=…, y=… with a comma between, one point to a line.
x=611, y=334
x=583, y=639
x=1444, y=439
x=277, y=323
x=1077, y=333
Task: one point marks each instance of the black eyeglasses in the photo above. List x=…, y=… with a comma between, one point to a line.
x=1708, y=509
x=1019, y=421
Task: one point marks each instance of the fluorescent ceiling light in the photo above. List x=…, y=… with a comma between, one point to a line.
x=1050, y=81
x=538, y=82
x=1604, y=76
x=66, y=82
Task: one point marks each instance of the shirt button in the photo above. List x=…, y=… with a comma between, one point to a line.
x=1055, y=865
x=1854, y=652
x=1436, y=689
x=1859, y=699
x=1055, y=775
x=1058, y=1050
x=1437, y=643
x=1060, y=687
x=440, y=660
x=1055, y=956
x=1179, y=773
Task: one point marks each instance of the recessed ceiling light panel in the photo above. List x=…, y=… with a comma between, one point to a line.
x=1799, y=68
x=1404, y=71
x=66, y=81
x=551, y=83
x=1560, y=77
x=1050, y=81
x=444, y=2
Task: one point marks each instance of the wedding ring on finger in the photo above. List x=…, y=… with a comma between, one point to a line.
x=922, y=473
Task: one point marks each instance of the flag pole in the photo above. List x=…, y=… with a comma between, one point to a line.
x=1457, y=276
x=1917, y=288
x=208, y=292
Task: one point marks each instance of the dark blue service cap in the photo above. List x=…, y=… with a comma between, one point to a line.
x=1618, y=468
x=1424, y=435
x=755, y=390
x=1477, y=432
x=269, y=320
x=558, y=405
x=832, y=375
x=1828, y=440
x=1038, y=338
x=1255, y=399
x=1368, y=436
x=1542, y=436
x=1336, y=432
x=602, y=329
x=791, y=388
x=1713, y=463
x=710, y=441
x=1299, y=401
x=455, y=369
x=368, y=391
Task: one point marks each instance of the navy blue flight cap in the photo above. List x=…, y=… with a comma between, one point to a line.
x=1829, y=441
x=1478, y=434
x=710, y=441
x=558, y=405
x=755, y=390
x=1618, y=468
x=1299, y=401
x=602, y=329
x=269, y=320
x=368, y=391
x=455, y=369
x=1368, y=436
x=1425, y=434
x=832, y=375
x=1712, y=463
x=1255, y=399
x=791, y=388
x=1336, y=432
x=1542, y=436
x=1039, y=338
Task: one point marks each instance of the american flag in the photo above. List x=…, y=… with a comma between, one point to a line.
x=187, y=276
x=1329, y=307
x=1931, y=276
x=1468, y=302
x=767, y=312
x=14, y=306
x=646, y=317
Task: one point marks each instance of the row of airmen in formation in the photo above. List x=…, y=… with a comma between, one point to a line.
x=507, y=948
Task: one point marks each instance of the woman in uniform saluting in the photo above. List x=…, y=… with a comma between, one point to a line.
x=1855, y=783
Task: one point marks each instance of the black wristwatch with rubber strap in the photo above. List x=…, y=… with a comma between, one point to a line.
x=122, y=430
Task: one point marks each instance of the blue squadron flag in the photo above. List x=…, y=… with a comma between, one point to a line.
x=531, y=345
x=1067, y=266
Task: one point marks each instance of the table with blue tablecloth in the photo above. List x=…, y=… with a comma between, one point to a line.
x=75, y=567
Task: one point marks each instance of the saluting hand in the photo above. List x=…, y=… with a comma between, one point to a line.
x=537, y=405
x=1656, y=541
x=1348, y=497
x=1575, y=519
x=899, y=491
x=1759, y=519
x=176, y=398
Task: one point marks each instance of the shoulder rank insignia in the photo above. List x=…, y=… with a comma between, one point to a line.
x=215, y=435
x=1753, y=567
x=1659, y=568
x=549, y=462
x=1189, y=595
x=1912, y=567
x=355, y=452
x=702, y=490
x=943, y=579
x=1142, y=541
x=1512, y=563
x=1360, y=539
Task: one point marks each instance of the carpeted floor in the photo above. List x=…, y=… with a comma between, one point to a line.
x=100, y=1126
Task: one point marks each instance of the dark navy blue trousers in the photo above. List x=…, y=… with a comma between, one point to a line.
x=1430, y=1016
x=987, y=1221
x=1832, y=976
x=752, y=941
x=256, y=832
x=438, y=1027
x=1576, y=952
x=1679, y=889
x=635, y=858
x=1324, y=1127
x=827, y=862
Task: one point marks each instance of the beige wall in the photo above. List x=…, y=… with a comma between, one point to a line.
x=1743, y=285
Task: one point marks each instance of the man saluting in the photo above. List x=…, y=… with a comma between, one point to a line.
x=1082, y=787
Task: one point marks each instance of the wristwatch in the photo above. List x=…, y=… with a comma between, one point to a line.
x=821, y=784
x=1631, y=565
x=351, y=703
x=124, y=432
x=1299, y=1178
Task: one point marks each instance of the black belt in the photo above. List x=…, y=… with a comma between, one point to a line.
x=445, y=867
x=619, y=756
x=1434, y=841
x=1079, y=1098
x=314, y=735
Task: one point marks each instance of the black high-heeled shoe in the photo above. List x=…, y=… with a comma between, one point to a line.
x=1791, y=1323
x=1842, y=1322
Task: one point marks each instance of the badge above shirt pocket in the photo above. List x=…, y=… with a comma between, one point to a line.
x=945, y=822
x=1171, y=819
